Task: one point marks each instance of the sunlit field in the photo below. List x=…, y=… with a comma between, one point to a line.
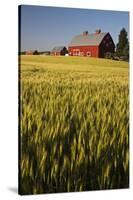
x=74, y=121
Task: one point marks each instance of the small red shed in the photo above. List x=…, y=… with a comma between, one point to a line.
x=30, y=52
x=93, y=45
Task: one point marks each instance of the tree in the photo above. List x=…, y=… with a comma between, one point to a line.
x=126, y=50
x=122, y=47
x=35, y=52
x=22, y=53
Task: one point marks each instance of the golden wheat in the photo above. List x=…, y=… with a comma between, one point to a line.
x=74, y=124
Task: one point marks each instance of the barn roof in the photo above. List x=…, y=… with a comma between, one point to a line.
x=58, y=49
x=88, y=39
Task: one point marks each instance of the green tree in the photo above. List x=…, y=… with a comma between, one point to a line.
x=126, y=50
x=122, y=47
x=35, y=52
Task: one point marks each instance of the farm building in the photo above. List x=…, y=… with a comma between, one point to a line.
x=93, y=45
x=29, y=52
x=57, y=51
x=45, y=53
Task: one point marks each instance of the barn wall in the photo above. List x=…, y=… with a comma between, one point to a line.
x=103, y=49
x=91, y=51
x=29, y=53
x=107, y=45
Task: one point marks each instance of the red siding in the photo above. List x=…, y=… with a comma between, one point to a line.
x=29, y=52
x=92, y=51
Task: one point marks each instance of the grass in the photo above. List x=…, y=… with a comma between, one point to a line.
x=74, y=123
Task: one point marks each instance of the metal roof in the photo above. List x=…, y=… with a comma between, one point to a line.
x=58, y=49
x=87, y=40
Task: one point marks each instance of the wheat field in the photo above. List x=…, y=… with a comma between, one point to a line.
x=74, y=124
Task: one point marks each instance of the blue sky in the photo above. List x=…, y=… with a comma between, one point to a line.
x=42, y=27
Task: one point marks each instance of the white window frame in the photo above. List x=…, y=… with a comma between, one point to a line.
x=82, y=53
x=88, y=53
x=76, y=52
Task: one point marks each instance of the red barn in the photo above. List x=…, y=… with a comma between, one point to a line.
x=93, y=45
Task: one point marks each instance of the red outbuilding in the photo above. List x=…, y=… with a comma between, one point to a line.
x=29, y=52
x=59, y=51
x=96, y=44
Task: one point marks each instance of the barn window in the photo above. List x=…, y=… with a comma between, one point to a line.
x=82, y=53
x=88, y=53
x=110, y=42
x=76, y=52
x=107, y=44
